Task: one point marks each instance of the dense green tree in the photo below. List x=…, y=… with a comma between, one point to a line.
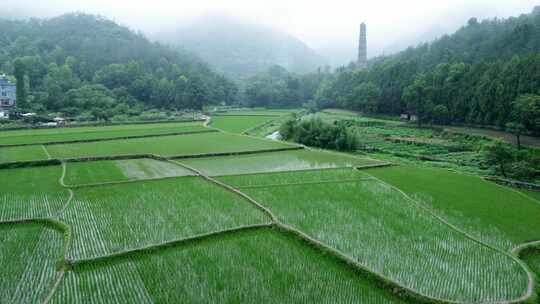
x=499, y=155
x=57, y=56
x=19, y=73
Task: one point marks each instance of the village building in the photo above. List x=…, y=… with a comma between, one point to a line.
x=8, y=94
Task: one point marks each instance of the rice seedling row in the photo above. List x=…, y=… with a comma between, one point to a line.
x=275, y=161
x=494, y=214
x=39, y=136
x=165, y=146
x=28, y=257
x=381, y=230
x=110, y=219
x=252, y=266
x=33, y=193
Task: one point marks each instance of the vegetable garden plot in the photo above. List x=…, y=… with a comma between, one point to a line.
x=115, y=218
x=258, y=266
x=166, y=146
x=239, y=124
x=80, y=173
x=29, y=193
x=275, y=161
x=375, y=225
x=492, y=213
x=13, y=154
x=28, y=256
x=33, y=136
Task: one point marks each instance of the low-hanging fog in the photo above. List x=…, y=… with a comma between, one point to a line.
x=329, y=27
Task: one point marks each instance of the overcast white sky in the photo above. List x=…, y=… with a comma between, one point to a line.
x=322, y=24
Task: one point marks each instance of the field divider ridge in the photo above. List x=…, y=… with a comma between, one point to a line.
x=59, y=277
x=46, y=151
x=129, y=181
x=248, y=152
x=350, y=180
x=108, y=124
x=517, y=250
x=371, y=166
x=268, y=122
x=249, y=115
x=165, y=244
x=530, y=286
x=285, y=171
x=231, y=189
x=75, y=141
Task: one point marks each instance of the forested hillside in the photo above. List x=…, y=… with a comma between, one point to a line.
x=242, y=50
x=89, y=67
x=486, y=73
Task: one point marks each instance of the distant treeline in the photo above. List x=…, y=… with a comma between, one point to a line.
x=472, y=76
x=88, y=66
x=486, y=73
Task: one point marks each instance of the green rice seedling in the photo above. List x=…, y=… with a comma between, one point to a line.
x=37, y=136
x=31, y=193
x=239, y=124
x=379, y=228
x=165, y=146
x=28, y=256
x=256, y=266
x=13, y=154
x=493, y=213
x=294, y=178
x=275, y=161
x=80, y=173
x=103, y=284
x=115, y=218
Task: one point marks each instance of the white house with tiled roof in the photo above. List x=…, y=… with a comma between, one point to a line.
x=8, y=93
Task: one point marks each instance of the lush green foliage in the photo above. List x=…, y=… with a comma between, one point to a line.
x=316, y=133
x=406, y=243
x=275, y=161
x=473, y=76
x=31, y=193
x=28, y=257
x=252, y=266
x=165, y=146
x=115, y=218
x=120, y=170
x=471, y=150
x=239, y=124
x=492, y=213
x=88, y=66
x=32, y=136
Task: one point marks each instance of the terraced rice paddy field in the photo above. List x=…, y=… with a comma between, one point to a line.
x=238, y=219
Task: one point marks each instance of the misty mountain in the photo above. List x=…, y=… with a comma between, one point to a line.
x=240, y=49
